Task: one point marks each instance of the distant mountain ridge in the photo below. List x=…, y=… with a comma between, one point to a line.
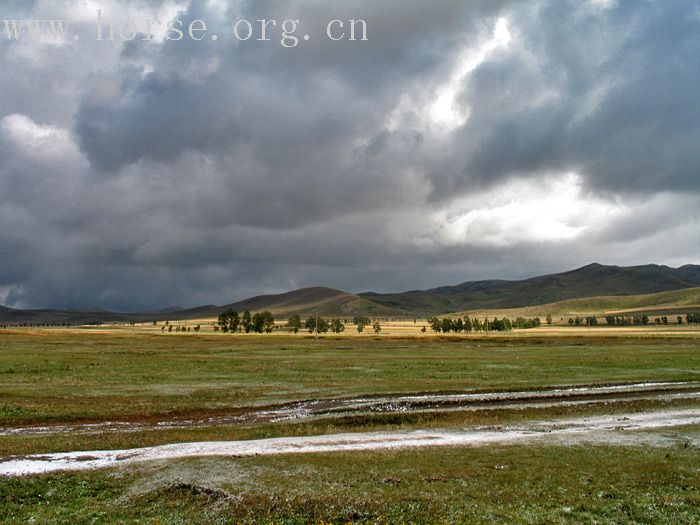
x=326, y=301
x=588, y=281
x=678, y=302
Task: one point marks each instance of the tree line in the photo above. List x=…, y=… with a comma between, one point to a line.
x=633, y=320
x=317, y=324
x=467, y=324
x=263, y=322
x=618, y=320
x=260, y=322
x=583, y=321
x=643, y=320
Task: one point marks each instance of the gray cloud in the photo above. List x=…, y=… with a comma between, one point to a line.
x=607, y=93
x=148, y=174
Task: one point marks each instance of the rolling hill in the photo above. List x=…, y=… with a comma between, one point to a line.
x=12, y=316
x=594, y=281
x=588, y=281
x=662, y=303
x=306, y=301
x=325, y=301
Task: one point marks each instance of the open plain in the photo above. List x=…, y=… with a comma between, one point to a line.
x=130, y=423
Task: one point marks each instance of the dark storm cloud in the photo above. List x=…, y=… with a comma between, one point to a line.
x=610, y=93
x=149, y=174
x=299, y=104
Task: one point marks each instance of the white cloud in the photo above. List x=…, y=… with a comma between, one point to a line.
x=7, y=295
x=604, y=4
x=444, y=111
x=37, y=140
x=520, y=211
x=437, y=107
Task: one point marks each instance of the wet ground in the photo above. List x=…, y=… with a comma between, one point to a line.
x=400, y=403
x=570, y=430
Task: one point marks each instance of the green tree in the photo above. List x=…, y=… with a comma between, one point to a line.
x=310, y=324
x=337, y=326
x=294, y=323
x=246, y=322
x=229, y=321
x=377, y=327
x=222, y=321
x=435, y=324
x=258, y=323
x=446, y=324
x=234, y=322
x=268, y=321
x=263, y=322
x=360, y=321
x=501, y=325
x=323, y=325
x=467, y=324
x=318, y=325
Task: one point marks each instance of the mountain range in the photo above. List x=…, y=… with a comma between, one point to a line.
x=589, y=281
x=592, y=280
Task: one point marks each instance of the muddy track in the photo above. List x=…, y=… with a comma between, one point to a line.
x=400, y=403
x=572, y=430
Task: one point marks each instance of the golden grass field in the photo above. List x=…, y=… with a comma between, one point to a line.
x=402, y=328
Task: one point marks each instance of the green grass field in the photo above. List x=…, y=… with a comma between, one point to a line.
x=50, y=377
x=515, y=484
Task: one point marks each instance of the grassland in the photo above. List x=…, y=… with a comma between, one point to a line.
x=58, y=377
x=138, y=374
x=514, y=484
x=70, y=377
x=676, y=302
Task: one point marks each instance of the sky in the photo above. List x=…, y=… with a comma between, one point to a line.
x=462, y=140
